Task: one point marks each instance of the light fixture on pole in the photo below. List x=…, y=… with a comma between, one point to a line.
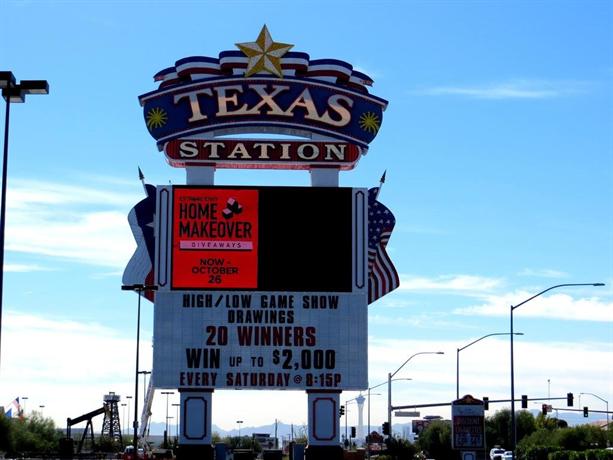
x=369, y=394
x=604, y=401
x=239, y=423
x=512, y=309
x=123, y=414
x=129, y=398
x=144, y=373
x=389, y=384
x=11, y=92
x=140, y=290
x=167, y=393
x=457, y=372
x=24, y=399
x=177, y=405
x=346, y=411
x=41, y=407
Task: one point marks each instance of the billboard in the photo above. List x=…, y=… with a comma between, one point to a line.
x=261, y=288
x=468, y=423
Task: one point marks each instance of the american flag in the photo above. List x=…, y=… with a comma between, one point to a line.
x=382, y=275
x=14, y=408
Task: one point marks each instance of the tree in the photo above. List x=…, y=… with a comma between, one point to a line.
x=498, y=427
x=400, y=449
x=435, y=440
x=31, y=434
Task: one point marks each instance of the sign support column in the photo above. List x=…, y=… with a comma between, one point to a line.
x=324, y=426
x=195, y=434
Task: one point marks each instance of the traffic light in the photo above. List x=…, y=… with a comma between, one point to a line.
x=341, y=411
x=486, y=403
x=544, y=409
x=353, y=432
x=524, y=401
x=570, y=399
x=586, y=411
x=386, y=428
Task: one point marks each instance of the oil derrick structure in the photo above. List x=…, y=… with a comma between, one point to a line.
x=111, y=427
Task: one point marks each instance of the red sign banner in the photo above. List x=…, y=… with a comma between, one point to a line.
x=215, y=238
x=262, y=154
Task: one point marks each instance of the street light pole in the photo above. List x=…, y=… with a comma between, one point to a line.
x=139, y=289
x=389, y=384
x=24, y=399
x=369, y=394
x=123, y=414
x=177, y=406
x=167, y=393
x=239, y=422
x=11, y=92
x=457, y=385
x=512, y=309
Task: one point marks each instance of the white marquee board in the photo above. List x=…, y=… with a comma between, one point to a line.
x=262, y=339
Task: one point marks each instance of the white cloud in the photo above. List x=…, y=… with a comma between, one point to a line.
x=485, y=370
x=65, y=365
x=68, y=367
x=25, y=268
x=77, y=223
x=558, y=306
x=467, y=284
x=514, y=89
x=543, y=273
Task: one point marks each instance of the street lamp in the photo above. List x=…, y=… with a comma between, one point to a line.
x=239, y=422
x=457, y=372
x=139, y=289
x=389, y=383
x=604, y=401
x=41, y=407
x=11, y=92
x=24, y=399
x=369, y=394
x=347, y=408
x=512, y=309
x=145, y=373
x=177, y=405
x=123, y=414
x=167, y=393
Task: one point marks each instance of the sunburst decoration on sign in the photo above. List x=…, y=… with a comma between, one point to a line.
x=369, y=122
x=156, y=118
x=264, y=54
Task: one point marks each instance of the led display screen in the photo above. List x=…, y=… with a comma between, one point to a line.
x=262, y=238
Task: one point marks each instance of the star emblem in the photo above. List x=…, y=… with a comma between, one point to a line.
x=264, y=54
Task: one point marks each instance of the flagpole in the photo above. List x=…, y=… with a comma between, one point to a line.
x=381, y=182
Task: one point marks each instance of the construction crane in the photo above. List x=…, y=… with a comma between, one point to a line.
x=145, y=416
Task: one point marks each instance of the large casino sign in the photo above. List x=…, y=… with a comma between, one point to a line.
x=258, y=286
x=262, y=88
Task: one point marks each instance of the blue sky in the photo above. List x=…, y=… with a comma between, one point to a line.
x=499, y=156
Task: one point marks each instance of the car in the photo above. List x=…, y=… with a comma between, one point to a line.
x=497, y=453
x=130, y=453
x=508, y=455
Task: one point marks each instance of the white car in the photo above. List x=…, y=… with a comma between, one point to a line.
x=497, y=453
x=508, y=455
